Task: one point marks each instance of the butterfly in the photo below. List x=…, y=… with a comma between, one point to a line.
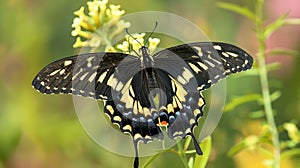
x=143, y=93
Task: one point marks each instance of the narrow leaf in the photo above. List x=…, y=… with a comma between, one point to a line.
x=187, y=143
x=275, y=95
x=191, y=162
x=201, y=161
x=241, y=100
x=151, y=159
x=283, y=51
x=271, y=28
x=249, y=141
x=289, y=153
x=236, y=149
x=257, y=114
x=273, y=66
x=238, y=9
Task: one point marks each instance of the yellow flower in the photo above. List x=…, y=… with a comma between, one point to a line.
x=153, y=42
x=124, y=46
x=137, y=41
x=98, y=15
x=115, y=11
x=293, y=132
x=110, y=49
x=79, y=12
x=79, y=43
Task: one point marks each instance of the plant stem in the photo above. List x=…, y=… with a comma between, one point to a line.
x=264, y=83
x=182, y=155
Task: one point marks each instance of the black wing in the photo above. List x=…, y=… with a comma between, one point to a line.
x=209, y=62
x=87, y=75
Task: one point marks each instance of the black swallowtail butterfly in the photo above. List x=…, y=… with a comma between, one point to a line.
x=129, y=85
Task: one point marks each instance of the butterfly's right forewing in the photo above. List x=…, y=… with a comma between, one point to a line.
x=209, y=61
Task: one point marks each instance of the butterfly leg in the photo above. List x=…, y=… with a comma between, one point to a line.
x=197, y=147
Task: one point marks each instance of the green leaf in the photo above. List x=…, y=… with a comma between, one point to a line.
x=236, y=149
x=187, y=143
x=289, y=153
x=271, y=28
x=151, y=159
x=273, y=66
x=249, y=141
x=257, y=114
x=241, y=100
x=201, y=160
x=191, y=162
x=283, y=51
x=275, y=95
x=238, y=9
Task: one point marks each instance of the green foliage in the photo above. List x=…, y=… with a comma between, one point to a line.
x=281, y=149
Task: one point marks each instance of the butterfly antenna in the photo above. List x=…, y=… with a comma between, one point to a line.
x=134, y=39
x=156, y=23
x=132, y=36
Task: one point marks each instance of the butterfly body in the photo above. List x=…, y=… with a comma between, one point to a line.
x=142, y=94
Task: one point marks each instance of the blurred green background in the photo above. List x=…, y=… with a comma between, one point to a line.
x=43, y=130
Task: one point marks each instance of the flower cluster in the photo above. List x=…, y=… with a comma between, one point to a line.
x=134, y=42
x=99, y=27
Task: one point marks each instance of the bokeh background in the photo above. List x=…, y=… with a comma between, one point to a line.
x=43, y=130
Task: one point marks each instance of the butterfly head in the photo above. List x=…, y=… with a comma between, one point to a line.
x=146, y=59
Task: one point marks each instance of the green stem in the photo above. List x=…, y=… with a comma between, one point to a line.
x=264, y=83
x=182, y=154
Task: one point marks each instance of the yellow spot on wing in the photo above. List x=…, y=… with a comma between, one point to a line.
x=117, y=118
x=54, y=72
x=137, y=136
x=119, y=86
x=127, y=127
x=202, y=65
x=188, y=130
x=110, y=109
x=62, y=71
x=194, y=67
x=68, y=62
x=187, y=74
x=196, y=112
x=181, y=80
x=200, y=102
x=217, y=47
x=112, y=81
x=199, y=50
x=146, y=112
x=92, y=77
x=102, y=77
x=170, y=108
x=83, y=76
